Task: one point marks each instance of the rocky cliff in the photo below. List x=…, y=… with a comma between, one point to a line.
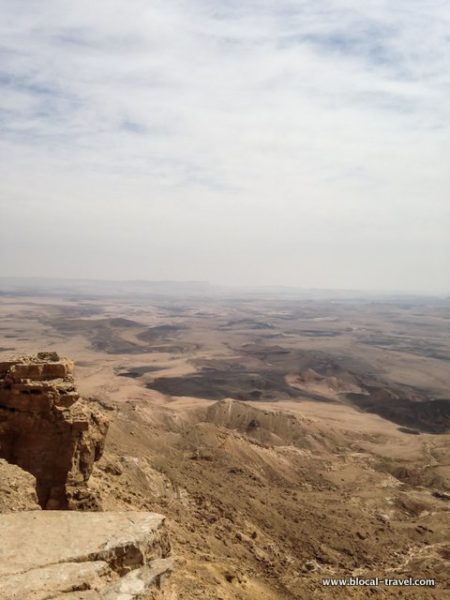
x=49, y=441
x=49, y=431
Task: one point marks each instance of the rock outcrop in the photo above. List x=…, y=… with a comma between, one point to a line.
x=17, y=489
x=82, y=555
x=49, y=431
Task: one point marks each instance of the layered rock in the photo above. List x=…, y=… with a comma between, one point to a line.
x=88, y=555
x=48, y=430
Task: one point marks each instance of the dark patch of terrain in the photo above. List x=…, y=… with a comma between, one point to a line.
x=319, y=332
x=427, y=416
x=125, y=323
x=159, y=332
x=408, y=430
x=231, y=381
x=245, y=324
x=135, y=372
x=406, y=406
x=104, y=335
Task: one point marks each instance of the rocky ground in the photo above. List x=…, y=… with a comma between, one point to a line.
x=267, y=503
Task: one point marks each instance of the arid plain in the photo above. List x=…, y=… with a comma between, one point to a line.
x=287, y=439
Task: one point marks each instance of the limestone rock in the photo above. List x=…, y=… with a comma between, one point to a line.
x=48, y=430
x=136, y=583
x=17, y=489
x=83, y=555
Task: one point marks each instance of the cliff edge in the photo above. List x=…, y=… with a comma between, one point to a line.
x=47, y=430
x=49, y=555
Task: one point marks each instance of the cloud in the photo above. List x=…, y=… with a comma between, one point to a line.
x=199, y=125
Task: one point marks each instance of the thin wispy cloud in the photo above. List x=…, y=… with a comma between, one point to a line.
x=304, y=142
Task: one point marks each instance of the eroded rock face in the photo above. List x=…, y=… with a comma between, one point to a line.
x=17, y=489
x=99, y=556
x=48, y=430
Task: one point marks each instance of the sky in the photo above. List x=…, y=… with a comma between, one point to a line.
x=301, y=143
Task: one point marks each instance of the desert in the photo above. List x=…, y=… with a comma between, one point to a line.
x=285, y=440
x=224, y=300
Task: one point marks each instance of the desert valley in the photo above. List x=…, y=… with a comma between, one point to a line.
x=224, y=300
x=287, y=439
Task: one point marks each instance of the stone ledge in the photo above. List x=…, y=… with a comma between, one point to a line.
x=48, y=554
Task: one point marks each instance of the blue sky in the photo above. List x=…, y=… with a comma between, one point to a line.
x=300, y=143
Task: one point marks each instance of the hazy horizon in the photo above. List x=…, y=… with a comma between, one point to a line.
x=302, y=144
x=129, y=287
